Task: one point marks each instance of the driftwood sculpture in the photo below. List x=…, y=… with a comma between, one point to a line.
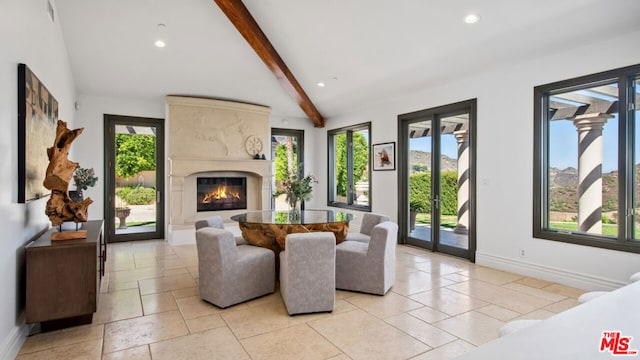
x=60, y=207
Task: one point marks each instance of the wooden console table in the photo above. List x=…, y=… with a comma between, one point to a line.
x=63, y=278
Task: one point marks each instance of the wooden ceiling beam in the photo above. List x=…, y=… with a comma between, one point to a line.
x=240, y=17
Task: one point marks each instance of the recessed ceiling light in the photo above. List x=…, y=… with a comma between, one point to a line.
x=321, y=84
x=471, y=19
x=159, y=43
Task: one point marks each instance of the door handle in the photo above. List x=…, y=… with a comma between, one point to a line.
x=436, y=202
x=158, y=197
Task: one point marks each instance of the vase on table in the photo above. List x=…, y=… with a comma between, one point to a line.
x=76, y=195
x=294, y=208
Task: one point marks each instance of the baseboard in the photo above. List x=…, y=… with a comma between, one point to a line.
x=548, y=273
x=13, y=342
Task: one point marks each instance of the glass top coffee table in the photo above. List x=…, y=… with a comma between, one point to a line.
x=269, y=228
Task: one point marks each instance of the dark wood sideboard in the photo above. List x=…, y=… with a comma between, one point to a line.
x=63, y=278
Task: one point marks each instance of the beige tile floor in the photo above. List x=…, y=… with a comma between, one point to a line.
x=439, y=308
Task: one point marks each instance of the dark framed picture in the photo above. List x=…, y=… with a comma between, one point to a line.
x=384, y=156
x=37, y=117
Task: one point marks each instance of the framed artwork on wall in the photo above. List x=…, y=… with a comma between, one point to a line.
x=384, y=156
x=37, y=117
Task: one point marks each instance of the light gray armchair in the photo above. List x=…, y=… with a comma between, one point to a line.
x=369, y=220
x=212, y=221
x=307, y=272
x=218, y=223
x=231, y=274
x=368, y=267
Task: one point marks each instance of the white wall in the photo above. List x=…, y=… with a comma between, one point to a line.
x=505, y=162
x=26, y=36
x=89, y=147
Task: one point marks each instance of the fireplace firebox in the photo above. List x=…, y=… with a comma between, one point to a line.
x=221, y=193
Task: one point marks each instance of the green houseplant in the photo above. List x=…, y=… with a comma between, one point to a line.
x=83, y=179
x=296, y=190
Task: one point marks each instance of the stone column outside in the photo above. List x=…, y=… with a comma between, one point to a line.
x=589, y=129
x=462, y=136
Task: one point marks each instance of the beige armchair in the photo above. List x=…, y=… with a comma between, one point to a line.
x=212, y=221
x=368, y=267
x=307, y=272
x=369, y=220
x=230, y=274
x=218, y=223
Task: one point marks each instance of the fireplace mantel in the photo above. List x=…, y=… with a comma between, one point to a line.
x=208, y=136
x=185, y=167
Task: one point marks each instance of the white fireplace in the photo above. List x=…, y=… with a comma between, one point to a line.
x=211, y=138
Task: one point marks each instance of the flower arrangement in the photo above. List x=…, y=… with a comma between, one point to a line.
x=83, y=178
x=296, y=189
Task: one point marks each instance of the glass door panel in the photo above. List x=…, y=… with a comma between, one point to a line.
x=454, y=182
x=287, y=148
x=420, y=146
x=437, y=179
x=135, y=181
x=134, y=178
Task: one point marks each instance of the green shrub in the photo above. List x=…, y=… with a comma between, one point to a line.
x=137, y=195
x=420, y=193
x=607, y=220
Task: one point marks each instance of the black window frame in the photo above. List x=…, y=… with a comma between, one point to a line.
x=625, y=78
x=348, y=130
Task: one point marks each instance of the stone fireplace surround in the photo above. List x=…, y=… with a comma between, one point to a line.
x=209, y=137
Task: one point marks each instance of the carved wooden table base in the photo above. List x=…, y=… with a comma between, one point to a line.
x=272, y=236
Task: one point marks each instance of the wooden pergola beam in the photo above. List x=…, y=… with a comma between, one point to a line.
x=597, y=106
x=250, y=30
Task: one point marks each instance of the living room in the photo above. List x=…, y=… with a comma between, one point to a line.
x=497, y=66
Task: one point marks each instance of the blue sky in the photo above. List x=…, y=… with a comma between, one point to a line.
x=563, y=145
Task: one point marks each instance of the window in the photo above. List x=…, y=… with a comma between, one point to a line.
x=587, y=170
x=349, y=167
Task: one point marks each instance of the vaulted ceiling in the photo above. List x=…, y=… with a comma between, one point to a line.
x=363, y=50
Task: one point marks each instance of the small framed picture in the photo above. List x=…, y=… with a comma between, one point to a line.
x=384, y=156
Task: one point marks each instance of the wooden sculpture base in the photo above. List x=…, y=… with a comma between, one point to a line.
x=69, y=235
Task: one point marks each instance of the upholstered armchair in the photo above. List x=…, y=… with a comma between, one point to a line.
x=218, y=223
x=368, y=267
x=369, y=220
x=231, y=274
x=307, y=272
x=212, y=221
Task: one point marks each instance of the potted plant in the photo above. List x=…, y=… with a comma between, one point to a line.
x=122, y=208
x=416, y=206
x=83, y=179
x=296, y=190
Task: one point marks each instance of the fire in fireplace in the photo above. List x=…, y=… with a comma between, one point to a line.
x=221, y=193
